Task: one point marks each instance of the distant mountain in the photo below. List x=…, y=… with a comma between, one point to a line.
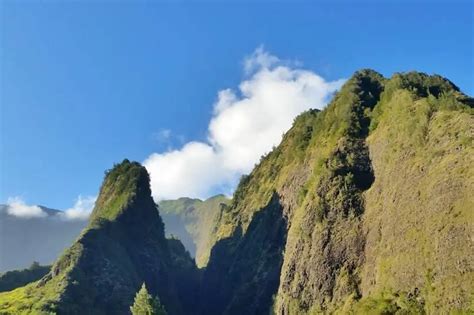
x=193, y=221
x=366, y=207
x=41, y=239
x=17, y=278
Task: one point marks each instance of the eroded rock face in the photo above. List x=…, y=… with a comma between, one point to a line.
x=322, y=264
x=368, y=216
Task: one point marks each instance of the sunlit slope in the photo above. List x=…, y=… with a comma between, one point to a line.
x=364, y=206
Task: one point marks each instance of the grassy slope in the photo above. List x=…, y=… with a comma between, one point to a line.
x=419, y=212
x=17, y=278
x=292, y=170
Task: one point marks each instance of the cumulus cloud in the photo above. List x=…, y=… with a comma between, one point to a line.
x=81, y=210
x=18, y=208
x=245, y=124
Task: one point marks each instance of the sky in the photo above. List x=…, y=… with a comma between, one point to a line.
x=197, y=91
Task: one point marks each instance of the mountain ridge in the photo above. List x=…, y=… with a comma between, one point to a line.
x=323, y=175
x=363, y=208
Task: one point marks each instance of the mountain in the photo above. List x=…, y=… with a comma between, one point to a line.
x=193, y=221
x=39, y=239
x=364, y=208
x=123, y=246
x=42, y=239
x=14, y=279
x=190, y=220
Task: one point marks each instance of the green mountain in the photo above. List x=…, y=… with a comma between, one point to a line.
x=123, y=246
x=43, y=238
x=193, y=221
x=364, y=208
x=17, y=278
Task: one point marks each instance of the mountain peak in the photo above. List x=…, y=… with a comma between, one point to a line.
x=125, y=184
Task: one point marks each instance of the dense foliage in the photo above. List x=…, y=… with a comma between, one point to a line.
x=145, y=304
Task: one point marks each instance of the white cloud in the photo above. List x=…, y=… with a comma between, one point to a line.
x=81, y=210
x=18, y=208
x=245, y=124
x=259, y=59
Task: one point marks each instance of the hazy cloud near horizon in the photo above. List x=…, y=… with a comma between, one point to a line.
x=18, y=208
x=245, y=124
x=81, y=210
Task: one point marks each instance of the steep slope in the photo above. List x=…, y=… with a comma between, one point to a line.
x=123, y=246
x=366, y=204
x=39, y=239
x=193, y=221
x=422, y=154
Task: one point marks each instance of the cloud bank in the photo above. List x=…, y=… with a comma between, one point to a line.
x=81, y=210
x=245, y=124
x=18, y=208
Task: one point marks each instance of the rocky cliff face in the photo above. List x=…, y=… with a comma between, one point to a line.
x=372, y=197
x=123, y=246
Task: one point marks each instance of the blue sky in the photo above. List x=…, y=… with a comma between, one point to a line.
x=85, y=84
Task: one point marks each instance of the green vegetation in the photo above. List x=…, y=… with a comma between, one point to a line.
x=121, y=185
x=145, y=304
x=376, y=191
x=122, y=247
x=17, y=278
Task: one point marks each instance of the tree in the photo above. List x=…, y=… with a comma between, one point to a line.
x=145, y=304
